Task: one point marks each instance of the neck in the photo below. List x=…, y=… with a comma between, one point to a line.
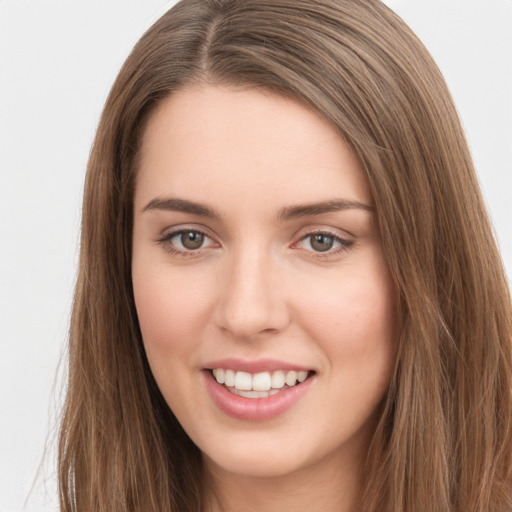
x=327, y=486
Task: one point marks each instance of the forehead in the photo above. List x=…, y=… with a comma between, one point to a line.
x=218, y=142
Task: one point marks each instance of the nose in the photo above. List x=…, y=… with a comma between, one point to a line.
x=251, y=299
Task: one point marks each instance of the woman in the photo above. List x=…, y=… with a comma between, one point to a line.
x=289, y=294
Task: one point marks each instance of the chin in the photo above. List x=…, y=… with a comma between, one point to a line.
x=263, y=454
x=253, y=465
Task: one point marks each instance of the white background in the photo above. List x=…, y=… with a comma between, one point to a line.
x=58, y=60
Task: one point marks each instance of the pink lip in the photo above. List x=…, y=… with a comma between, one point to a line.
x=254, y=409
x=254, y=366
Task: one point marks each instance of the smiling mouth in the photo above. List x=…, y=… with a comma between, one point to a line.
x=259, y=385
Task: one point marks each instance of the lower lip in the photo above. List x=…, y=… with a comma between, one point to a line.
x=255, y=409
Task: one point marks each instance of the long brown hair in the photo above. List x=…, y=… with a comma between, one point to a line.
x=444, y=440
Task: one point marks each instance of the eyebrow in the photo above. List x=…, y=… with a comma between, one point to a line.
x=310, y=209
x=181, y=205
x=284, y=214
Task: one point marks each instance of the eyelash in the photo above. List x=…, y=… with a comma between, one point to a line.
x=344, y=244
x=165, y=241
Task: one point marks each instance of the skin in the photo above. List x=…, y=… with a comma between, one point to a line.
x=258, y=288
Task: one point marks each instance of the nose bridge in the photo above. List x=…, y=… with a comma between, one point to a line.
x=251, y=301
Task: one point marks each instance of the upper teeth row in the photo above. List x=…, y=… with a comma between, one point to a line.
x=258, y=381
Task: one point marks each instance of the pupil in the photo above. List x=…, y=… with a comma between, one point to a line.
x=192, y=239
x=322, y=243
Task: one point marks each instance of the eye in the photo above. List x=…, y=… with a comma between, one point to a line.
x=190, y=240
x=186, y=241
x=321, y=242
x=324, y=243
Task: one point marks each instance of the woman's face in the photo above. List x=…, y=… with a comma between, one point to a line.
x=257, y=263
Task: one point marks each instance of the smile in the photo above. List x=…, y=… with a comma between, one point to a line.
x=259, y=390
x=258, y=385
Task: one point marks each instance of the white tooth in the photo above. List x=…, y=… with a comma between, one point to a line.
x=214, y=371
x=243, y=381
x=273, y=391
x=219, y=375
x=278, y=379
x=301, y=376
x=291, y=378
x=229, y=378
x=261, y=381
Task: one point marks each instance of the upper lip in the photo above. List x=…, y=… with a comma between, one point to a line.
x=254, y=365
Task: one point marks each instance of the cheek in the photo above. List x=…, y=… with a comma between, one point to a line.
x=171, y=311
x=361, y=309
x=354, y=325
